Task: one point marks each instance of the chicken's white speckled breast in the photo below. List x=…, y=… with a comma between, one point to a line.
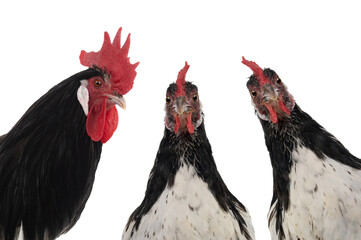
x=325, y=199
x=188, y=210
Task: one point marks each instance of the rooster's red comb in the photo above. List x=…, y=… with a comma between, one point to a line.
x=113, y=59
x=257, y=71
x=181, y=80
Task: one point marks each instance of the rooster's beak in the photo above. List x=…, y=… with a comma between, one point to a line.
x=117, y=99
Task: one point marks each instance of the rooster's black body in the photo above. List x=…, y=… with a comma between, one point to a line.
x=47, y=165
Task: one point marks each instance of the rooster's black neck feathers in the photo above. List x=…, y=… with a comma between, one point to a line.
x=47, y=165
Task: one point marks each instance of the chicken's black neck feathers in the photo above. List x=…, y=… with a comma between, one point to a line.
x=282, y=138
x=194, y=150
x=47, y=165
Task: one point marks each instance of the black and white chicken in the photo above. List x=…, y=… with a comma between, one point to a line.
x=186, y=197
x=316, y=180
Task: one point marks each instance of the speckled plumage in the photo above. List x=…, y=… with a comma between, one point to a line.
x=325, y=199
x=188, y=210
x=186, y=197
x=316, y=180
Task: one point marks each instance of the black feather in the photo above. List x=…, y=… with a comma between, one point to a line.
x=47, y=165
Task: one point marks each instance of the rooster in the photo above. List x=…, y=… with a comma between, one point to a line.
x=186, y=197
x=316, y=180
x=49, y=158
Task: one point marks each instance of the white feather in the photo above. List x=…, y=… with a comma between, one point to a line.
x=325, y=199
x=188, y=211
x=83, y=96
x=19, y=235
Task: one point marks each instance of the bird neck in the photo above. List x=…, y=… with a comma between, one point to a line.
x=301, y=129
x=281, y=139
x=185, y=146
x=174, y=150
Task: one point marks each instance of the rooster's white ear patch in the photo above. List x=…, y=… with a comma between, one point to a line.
x=83, y=96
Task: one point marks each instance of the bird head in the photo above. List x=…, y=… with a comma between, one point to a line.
x=99, y=95
x=269, y=94
x=183, y=108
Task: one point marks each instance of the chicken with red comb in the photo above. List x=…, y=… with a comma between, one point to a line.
x=186, y=197
x=49, y=158
x=316, y=180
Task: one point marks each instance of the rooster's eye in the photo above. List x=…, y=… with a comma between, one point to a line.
x=195, y=97
x=97, y=83
x=278, y=80
x=254, y=93
x=167, y=99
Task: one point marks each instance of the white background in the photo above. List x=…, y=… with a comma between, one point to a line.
x=314, y=46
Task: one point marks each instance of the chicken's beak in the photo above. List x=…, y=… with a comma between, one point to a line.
x=117, y=99
x=269, y=99
x=182, y=107
x=269, y=94
x=183, y=114
x=273, y=102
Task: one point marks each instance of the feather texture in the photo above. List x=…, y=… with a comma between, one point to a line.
x=47, y=165
x=186, y=197
x=317, y=182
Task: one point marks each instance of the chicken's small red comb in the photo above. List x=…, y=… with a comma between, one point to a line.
x=113, y=59
x=257, y=71
x=181, y=80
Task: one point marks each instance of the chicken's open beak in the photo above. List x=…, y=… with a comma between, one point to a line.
x=117, y=99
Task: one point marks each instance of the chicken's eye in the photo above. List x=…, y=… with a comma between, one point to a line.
x=253, y=93
x=97, y=83
x=167, y=99
x=195, y=97
x=278, y=80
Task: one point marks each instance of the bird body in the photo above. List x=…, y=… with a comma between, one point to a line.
x=324, y=198
x=47, y=165
x=186, y=208
x=316, y=180
x=336, y=190
x=186, y=197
